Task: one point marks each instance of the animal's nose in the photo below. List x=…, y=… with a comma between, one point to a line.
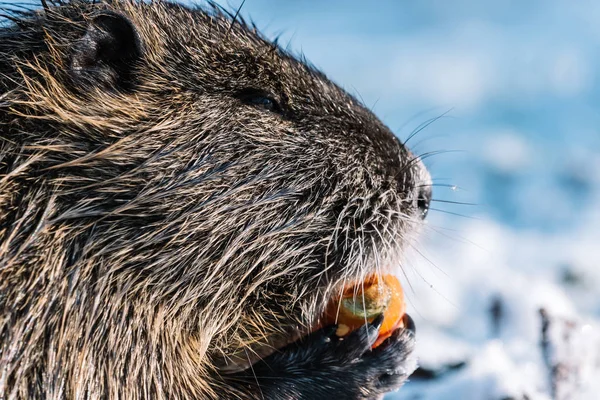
x=423, y=199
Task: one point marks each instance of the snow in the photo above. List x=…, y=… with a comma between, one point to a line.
x=454, y=309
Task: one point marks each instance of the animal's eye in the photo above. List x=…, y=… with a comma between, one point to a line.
x=267, y=103
x=261, y=100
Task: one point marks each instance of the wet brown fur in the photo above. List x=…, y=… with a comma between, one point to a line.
x=150, y=229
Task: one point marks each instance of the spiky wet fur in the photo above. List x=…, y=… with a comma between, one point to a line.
x=148, y=230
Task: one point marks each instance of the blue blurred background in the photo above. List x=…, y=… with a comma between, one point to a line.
x=507, y=92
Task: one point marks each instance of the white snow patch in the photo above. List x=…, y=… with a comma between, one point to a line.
x=525, y=272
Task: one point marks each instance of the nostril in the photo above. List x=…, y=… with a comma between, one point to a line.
x=423, y=200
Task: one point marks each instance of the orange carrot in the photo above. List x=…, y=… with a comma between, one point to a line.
x=363, y=302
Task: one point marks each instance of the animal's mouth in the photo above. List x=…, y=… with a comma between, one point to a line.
x=357, y=304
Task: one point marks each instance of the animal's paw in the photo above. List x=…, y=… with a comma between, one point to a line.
x=323, y=366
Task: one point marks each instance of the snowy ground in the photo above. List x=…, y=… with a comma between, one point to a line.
x=480, y=332
x=520, y=82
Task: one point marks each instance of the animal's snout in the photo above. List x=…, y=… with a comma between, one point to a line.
x=423, y=199
x=422, y=189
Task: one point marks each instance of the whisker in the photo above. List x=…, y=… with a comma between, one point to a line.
x=447, y=185
x=430, y=154
x=424, y=156
x=441, y=179
x=460, y=203
x=362, y=286
x=428, y=260
x=458, y=238
x=453, y=213
x=415, y=116
x=393, y=238
x=337, y=313
x=254, y=373
x=424, y=125
x=432, y=287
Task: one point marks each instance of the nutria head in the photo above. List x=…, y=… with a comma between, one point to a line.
x=176, y=188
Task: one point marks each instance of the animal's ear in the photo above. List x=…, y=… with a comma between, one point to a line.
x=107, y=54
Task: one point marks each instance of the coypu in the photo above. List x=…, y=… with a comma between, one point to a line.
x=179, y=197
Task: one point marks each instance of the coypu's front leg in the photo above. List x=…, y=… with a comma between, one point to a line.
x=324, y=366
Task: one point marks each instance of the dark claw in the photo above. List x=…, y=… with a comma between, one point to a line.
x=354, y=345
x=409, y=324
x=377, y=321
x=329, y=331
x=363, y=338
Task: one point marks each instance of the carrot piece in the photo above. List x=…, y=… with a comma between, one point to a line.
x=362, y=302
